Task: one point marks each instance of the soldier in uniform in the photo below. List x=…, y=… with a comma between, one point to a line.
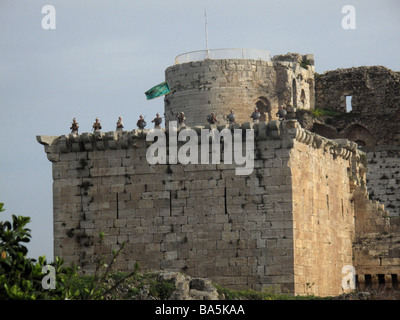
x=96, y=125
x=211, y=118
x=181, y=119
x=281, y=113
x=157, y=121
x=231, y=117
x=74, y=127
x=255, y=115
x=120, y=125
x=141, y=123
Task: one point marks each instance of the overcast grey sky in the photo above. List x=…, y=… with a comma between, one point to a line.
x=103, y=55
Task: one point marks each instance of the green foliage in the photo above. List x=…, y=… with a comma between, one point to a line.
x=256, y=295
x=23, y=278
x=318, y=113
x=305, y=63
x=161, y=289
x=138, y=285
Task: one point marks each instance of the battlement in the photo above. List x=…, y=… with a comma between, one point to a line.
x=283, y=133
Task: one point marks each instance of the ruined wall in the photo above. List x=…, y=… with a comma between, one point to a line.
x=374, y=90
x=201, y=87
x=374, y=123
x=384, y=177
x=240, y=231
x=376, y=247
x=375, y=101
x=377, y=261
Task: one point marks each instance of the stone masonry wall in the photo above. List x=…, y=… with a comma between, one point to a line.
x=240, y=231
x=384, y=177
x=377, y=260
x=375, y=103
x=374, y=123
x=201, y=87
x=323, y=217
x=376, y=247
x=374, y=90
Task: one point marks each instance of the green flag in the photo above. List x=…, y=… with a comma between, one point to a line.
x=157, y=91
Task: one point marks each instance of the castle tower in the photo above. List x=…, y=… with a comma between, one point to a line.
x=240, y=79
x=301, y=217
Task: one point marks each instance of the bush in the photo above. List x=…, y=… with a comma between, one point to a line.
x=22, y=277
x=318, y=112
x=27, y=279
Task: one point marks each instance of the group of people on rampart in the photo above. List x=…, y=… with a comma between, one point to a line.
x=255, y=116
x=96, y=127
x=211, y=119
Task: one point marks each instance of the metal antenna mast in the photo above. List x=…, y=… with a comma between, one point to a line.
x=205, y=17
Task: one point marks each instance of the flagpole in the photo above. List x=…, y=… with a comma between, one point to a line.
x=205, y=18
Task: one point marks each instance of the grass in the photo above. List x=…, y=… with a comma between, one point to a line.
x=128, y=287
x=305, y=63
x=132, y=288
x=248, y=294
x=317, y=113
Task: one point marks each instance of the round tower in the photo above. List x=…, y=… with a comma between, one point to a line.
x=217, y=81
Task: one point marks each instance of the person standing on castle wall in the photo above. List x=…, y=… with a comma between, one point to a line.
x=74, y=127
x=96, y=125
x=231, y=117
x=120, y=125
x=255, y=115
x=281, y=113
x=211, y=118
x=157, y=121
x=181, y=119
x=141, y=123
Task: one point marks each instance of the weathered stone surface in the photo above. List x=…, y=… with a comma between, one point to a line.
x=45, y=140
x=220, y=85
x=292, y=224
x=373, y=122
x=239, y=231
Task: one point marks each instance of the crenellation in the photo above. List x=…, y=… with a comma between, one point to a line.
x=269, y=137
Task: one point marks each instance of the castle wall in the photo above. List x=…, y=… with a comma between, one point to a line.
x=323, y=219
x=374, y=123
x=201, y=87
x=374, y=90
x=292, y=224
x=376, y=246
x=247, y=231
x=377, y=260
x=201, y=219
x=383, y=179
x=375, y=102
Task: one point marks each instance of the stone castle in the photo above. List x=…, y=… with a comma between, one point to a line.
x=323, y=194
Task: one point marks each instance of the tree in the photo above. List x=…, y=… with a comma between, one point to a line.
x=23, y=278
